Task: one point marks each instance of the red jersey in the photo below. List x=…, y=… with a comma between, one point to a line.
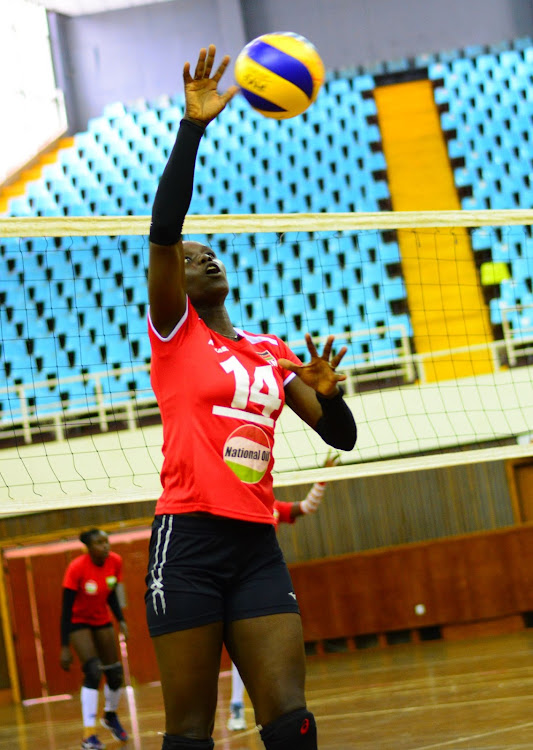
x=92, y=584
x=219, y=401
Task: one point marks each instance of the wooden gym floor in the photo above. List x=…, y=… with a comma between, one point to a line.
x=437, y=695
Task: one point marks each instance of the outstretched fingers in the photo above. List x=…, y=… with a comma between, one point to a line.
x=326, y=354
x=209, y=61
x=200, y=64
x=336, y=359
x=204, y=66
x=327, y=348
x=311, y=348
x=187, y=78
x=221, y=68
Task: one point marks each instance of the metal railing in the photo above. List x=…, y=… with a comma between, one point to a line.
x=99, y=407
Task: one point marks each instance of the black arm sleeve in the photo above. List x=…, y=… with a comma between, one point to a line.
x=114, y=605
x=174, y=192
x=66, y=614
x=337, y=425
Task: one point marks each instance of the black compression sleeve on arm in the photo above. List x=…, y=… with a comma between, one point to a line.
x=174, y=193
x=66, y=614
x=337, y=425
x=114, y=605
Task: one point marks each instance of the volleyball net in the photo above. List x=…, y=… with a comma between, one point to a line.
x=435, y=309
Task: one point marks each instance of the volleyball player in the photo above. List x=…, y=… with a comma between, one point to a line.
x=216, y=573
x=90, y=587
x=284, y=512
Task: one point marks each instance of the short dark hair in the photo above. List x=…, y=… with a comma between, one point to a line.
x=86, y=536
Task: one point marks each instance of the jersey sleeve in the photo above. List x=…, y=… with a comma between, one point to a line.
x=283, y=512
x=71, y=579
x=287, y=353
x=180, y=332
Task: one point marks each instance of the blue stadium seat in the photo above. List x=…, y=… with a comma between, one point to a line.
x=45, y=205
x=114, y=110
x=394, y=289
x=20, y=207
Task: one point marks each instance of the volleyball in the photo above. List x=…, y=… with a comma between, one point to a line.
x=280, y=74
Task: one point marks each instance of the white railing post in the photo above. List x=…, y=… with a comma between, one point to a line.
x=24, y=413
x=508, y=339
x=99, y=398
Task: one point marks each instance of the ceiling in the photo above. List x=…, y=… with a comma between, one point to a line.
x=84, y=7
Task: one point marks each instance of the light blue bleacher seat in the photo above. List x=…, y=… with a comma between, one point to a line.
x=20, y=206
x=486, y=62
x=114, y=110
x=46, y=400
x=394, y=289
x=462, y=67
x=45, y=205
x=143, y=385
x=424, y=60
x=118, y=350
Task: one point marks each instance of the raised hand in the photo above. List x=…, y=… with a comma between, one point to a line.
x=319, y=373
x=202, y=100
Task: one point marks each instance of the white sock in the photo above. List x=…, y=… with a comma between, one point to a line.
x=112, y=698
x=89, y=706
x=237, y=686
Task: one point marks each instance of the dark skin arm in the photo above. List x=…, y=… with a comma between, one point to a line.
x=317, y=376
x=166, y=274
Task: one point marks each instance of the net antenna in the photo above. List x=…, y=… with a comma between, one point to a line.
x=435, y=309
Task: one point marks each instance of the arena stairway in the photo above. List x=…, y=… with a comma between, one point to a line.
x=34, y=172
x=443, y=289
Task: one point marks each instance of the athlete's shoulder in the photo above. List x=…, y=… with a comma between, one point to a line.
x=115, y=557
x=265, y=340
x=78, y=562
x=75, y=570
x=189, y=321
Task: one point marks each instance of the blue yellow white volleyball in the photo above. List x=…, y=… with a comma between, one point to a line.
x=280, y=74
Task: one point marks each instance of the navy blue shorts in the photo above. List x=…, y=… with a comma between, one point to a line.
x=205, y=569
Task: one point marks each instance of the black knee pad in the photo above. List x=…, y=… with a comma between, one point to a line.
x=294, y=731
x=177, y=742
x=114, y=675
x=93, y=673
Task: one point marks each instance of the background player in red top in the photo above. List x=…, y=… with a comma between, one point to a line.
x=89, y=591
x=216, y=573
x=284, y=512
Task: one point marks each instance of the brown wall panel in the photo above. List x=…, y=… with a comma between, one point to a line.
x=48, y=572
x=24, y=642
x=461, y=580
x=383, y=511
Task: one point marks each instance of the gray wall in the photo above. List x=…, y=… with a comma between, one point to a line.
x=128, y=54
x=137, y=53
x=362, y=32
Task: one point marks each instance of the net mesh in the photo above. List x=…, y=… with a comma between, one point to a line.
x=436, y=310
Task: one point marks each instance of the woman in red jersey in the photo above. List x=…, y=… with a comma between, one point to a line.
x=216, y=573
x=89, y=593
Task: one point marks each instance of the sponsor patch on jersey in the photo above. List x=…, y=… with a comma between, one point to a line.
x=111, y=582
x=270, y=358
x=247, y=453
x=91, y=587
